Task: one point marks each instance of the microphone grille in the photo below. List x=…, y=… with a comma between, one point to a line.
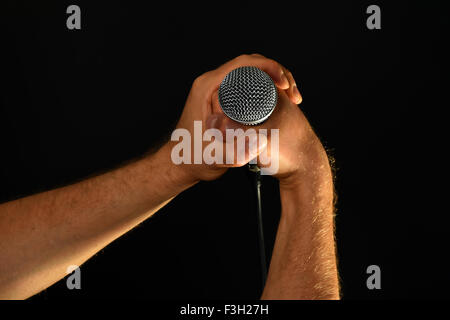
x=248, y=95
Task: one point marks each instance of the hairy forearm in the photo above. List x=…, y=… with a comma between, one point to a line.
x=303, y=264
x=41, y=235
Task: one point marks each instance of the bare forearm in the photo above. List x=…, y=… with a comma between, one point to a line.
x=41, y=235
x=303, y=264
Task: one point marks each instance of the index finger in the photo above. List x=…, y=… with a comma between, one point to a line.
x=271, y=67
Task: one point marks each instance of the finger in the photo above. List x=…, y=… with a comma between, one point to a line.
x=281, y=81
x=237, y=145
x=279, y=113
x=241, y=147
x=216, y=108
x=271, y=67
x=293, y=92
x=291, y=81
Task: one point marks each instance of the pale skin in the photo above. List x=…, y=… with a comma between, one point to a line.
x=41, y=235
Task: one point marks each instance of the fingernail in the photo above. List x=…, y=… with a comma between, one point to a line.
x=298, y=96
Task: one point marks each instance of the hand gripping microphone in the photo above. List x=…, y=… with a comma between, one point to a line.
x=248, y=95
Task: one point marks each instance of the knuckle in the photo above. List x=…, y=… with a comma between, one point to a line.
x=195, y=83
x=199, y=80
x=273, y=63
x=243, y=57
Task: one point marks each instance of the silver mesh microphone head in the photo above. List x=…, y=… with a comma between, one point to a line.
x=248, y=95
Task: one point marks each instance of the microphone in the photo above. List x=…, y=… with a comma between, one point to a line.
x=248, y=95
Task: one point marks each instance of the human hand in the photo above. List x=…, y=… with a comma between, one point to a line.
x=202, y=105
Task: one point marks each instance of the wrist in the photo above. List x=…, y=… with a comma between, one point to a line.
x=312, y=167
x=309, y=187
x=176, y=178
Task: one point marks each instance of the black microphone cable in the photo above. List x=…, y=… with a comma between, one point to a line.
x=256, y=173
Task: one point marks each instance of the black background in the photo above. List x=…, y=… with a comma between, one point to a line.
x=76, y=102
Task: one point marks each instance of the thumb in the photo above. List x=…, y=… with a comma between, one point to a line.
x=221, y=122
